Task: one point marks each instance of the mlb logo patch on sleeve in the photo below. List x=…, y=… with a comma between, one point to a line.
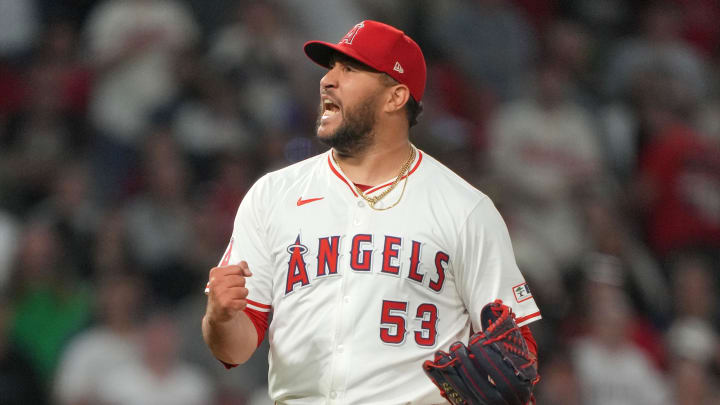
x=522, y=292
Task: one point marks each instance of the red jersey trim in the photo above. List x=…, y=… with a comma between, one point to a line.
x=409, y=173
x=334, y=170
x=259, y=305
x=526, y=318
x=226, y=259
x=376, y=188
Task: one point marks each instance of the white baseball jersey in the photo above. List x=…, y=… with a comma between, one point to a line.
x=359, y=297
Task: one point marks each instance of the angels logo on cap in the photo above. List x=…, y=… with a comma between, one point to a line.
x=383, y=48
x=348, y=38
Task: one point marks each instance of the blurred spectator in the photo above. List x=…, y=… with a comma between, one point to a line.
x=44, y=104
x=601, y=270
x=59, y=51
x=133, y=45
x=74, y=12
x=659, y=102
x=695, y=289
x=110, y=344
x=215, y=208
x=256, y=41
x=610, y=368
x=567, y=44
x=570, y=47
x=693, y=340
x=490, y=40
x=454, y=120
x=49, y=305
x=403, y=13
x=40, y=140
x=560, y=384
x=19, y=382
x=159, y=377
x=700, y=27
x=679, y=192
x=335, y=16
x=209, y=125
x=657, y=47
x=258, y=49
x=544, y=154
x=652, y=79
x=693, y=384
x=540, y=13
x=111, y=253
x=73, y=213
x=19, y=26
x=211, y=14
x=693, y=346
x=158, y=219
x=614, y=241
x=606, y=19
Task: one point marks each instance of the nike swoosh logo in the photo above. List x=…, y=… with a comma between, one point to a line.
x=300, y=201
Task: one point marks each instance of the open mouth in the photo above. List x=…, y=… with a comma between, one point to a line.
x=329, y=108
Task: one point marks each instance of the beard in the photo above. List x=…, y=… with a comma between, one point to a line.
x=355, y=133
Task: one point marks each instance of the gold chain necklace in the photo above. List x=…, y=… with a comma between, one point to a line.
x=374, y=200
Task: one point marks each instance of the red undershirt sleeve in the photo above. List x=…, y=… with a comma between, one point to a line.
x=260, y=321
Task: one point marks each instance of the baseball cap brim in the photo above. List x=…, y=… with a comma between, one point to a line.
x=321, y=53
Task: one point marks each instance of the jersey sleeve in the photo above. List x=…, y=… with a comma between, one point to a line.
x=485, y=267
x=249, y=243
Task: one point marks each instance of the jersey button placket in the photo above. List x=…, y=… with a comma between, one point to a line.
x=339, y=366
x=359, y=216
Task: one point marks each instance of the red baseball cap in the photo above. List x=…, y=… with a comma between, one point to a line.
x=380, y=46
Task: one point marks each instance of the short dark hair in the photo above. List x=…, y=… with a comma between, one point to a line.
x=413, y=109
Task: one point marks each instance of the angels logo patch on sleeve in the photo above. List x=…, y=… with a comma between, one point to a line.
x=522, y=292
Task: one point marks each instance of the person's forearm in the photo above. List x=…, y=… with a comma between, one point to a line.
x=232, y=342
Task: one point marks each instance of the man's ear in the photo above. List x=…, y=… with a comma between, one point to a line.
x=397, y=96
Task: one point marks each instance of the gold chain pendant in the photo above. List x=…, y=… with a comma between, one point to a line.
x=374, y=200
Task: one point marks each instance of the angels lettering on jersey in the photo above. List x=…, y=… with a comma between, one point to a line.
x=306, y=267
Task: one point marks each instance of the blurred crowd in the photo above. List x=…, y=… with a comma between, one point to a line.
x=131, y=129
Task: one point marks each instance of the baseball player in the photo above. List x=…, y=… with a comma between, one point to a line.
x=372, y=256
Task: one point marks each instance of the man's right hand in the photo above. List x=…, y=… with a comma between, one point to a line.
x=227, y=295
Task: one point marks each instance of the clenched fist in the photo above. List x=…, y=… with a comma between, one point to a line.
x=226, y=292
